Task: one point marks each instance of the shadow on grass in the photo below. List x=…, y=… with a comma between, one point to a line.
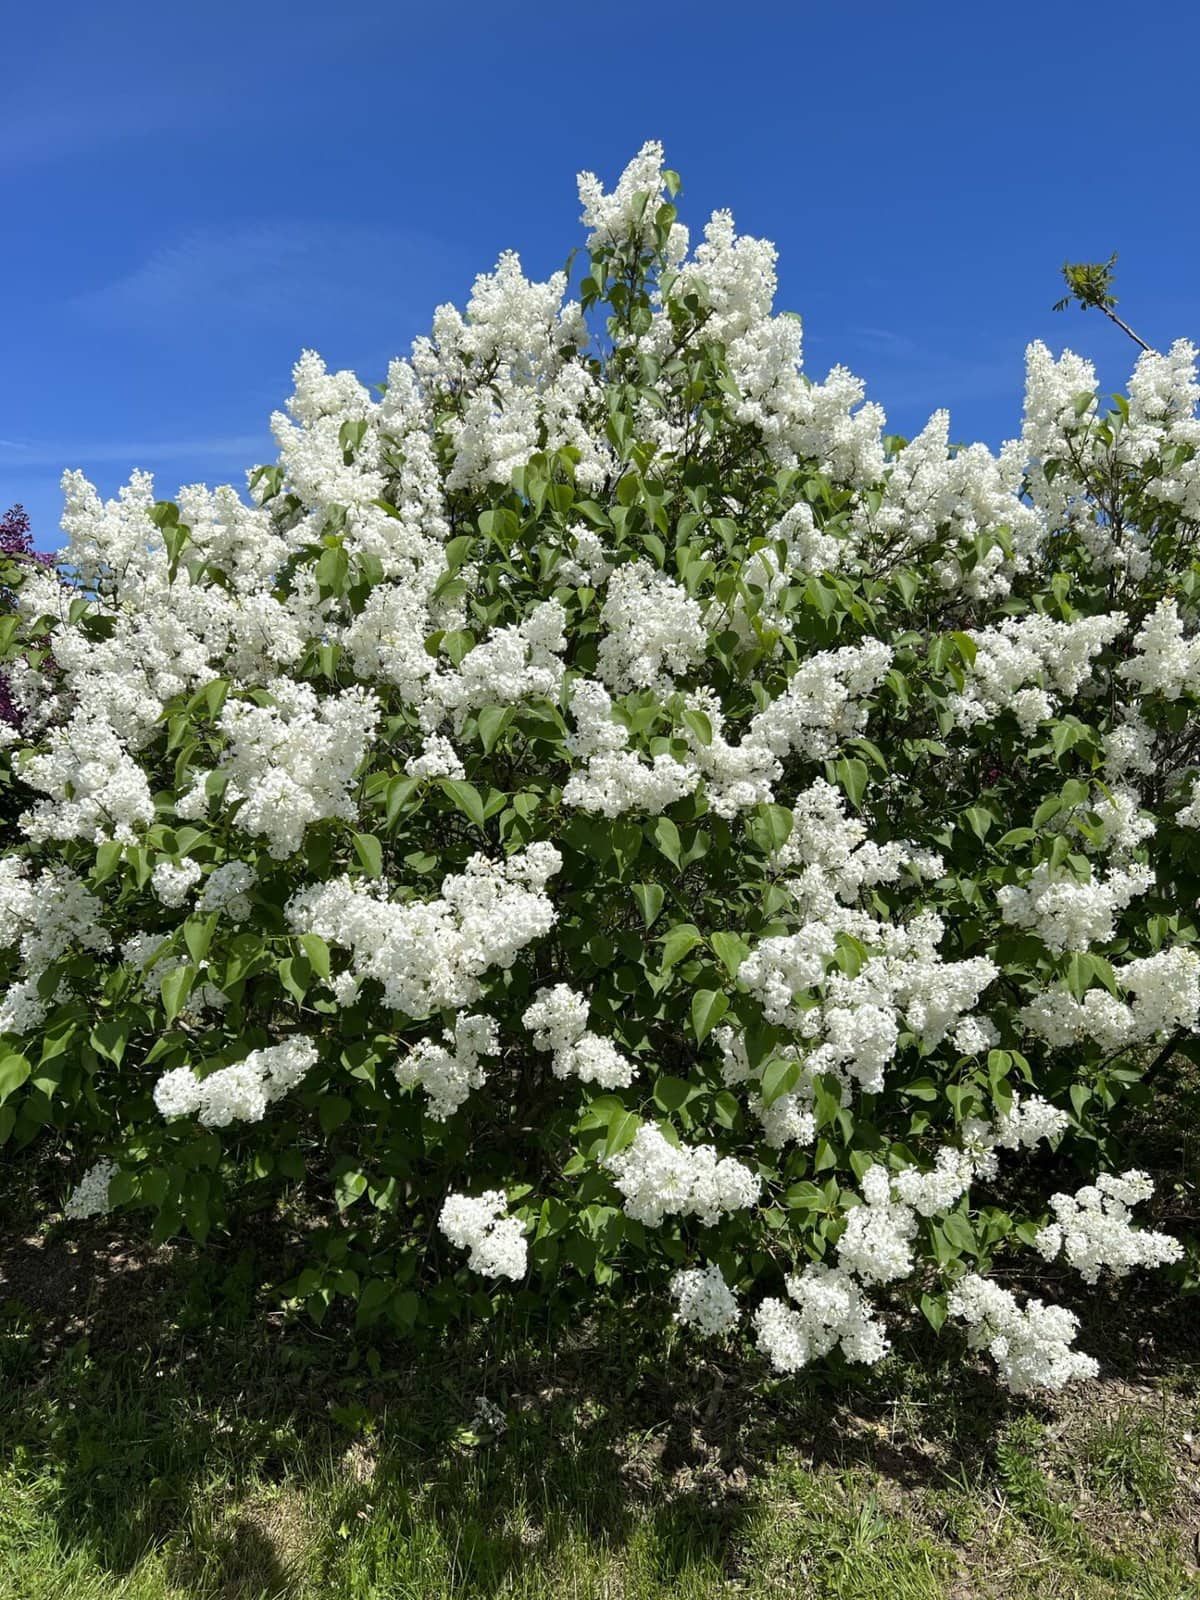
x=159, y=1408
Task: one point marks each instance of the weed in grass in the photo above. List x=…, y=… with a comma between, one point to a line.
x=1125, y=1458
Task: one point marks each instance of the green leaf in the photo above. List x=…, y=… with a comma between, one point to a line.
x=666, y=837
x=466, y=798
x=198, y=935
x=780, y=1077
x=294, y=973
x=491, y=722
x=827, y=1099
x=708, y=1007
x=959, y=1232
x=769, y=827
x=650, y=898
x=699, y=724
x=622, y=1131
x=175, y=987
x=731, y=950
x=671, y=1094
x=935, y=1309
x=921, y=1089
x=332, y=1111
x=399, y=791
x=852, y=775
x=805, y=1196
x=317, y=953
x=110, y=1036
x=683, y=937
x=979, y=821
x=351, y=1186
x=370, y=852
x=14, y=1070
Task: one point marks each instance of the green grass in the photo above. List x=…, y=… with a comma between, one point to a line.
x=225, y=1458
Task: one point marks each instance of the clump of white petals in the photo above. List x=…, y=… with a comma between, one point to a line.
x=438, y=759
x=1029, y=665
x=829, y=1309
x=94, y=788
x=89, y=1198
x=557, y=1019
x=1164, y=661
x=1164, y=996
x=449, y=1071
x=1067, y=914
x=227, y=889
x=1031, y=1345
x=1093, y=1228
x=431, y=955
x=704, y=1301
x=876, y=1245
x=654, y=630
x=290, y=763
x=172, y=883
x=1028, y=1120
x=659, y=1179
x=822, y=705
x=479, y=1223
x=240, y=1092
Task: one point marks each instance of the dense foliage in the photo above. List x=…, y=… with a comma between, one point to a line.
x=604, y=814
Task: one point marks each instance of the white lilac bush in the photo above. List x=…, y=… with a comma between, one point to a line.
x=602, y=817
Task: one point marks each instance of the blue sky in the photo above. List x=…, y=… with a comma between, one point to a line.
x=194, y=193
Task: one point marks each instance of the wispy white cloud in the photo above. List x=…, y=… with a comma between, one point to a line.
x=16, y=455
x=57, y=125
x=269, y=273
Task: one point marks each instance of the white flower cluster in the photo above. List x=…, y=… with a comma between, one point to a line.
x=227, y=889
x=654, y=630
x=430, y=955
x=829, y=1310
x=557, y=1019
x=932, y=1194
x=449, y=1071
x=659, y=1179
x=704, y=1301
x=1123, y=824
x=819, y=710
x=853, y=1023
x=789, y=1118
x=821, y=707
x=1030, y=1345
x=1029, y=665
x=621, y=214
x=45, y=918
x=1067, y=914
x=89, y=1198
x=1165, y=991
x=238, y=1093
x=478, y=1223
x=1164, y=661
x=438, y=759
x=95, y=788
x=1189, y=817
x=1093, y=1228
x=876, y=1243
x=937, y=499
x=512, y=664
x=172, y=883
x=290, y=763
x=837, y=860
x=1028, y=1120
